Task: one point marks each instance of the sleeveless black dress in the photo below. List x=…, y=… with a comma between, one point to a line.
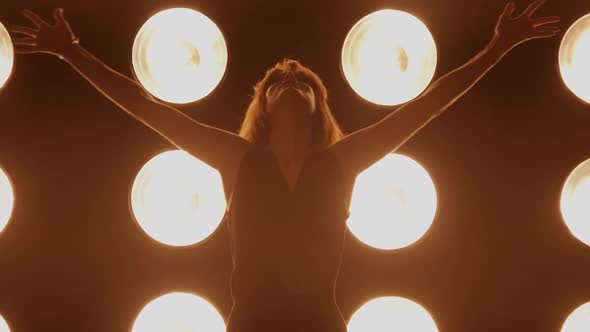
x=287, y=244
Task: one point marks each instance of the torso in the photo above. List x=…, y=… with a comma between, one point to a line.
x=286, y=236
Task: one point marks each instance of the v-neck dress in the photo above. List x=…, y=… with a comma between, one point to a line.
x=286, y=244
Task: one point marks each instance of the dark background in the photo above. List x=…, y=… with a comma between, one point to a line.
x=497, y=258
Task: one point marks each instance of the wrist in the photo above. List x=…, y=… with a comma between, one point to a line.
x=71, y=49
x=500, y=45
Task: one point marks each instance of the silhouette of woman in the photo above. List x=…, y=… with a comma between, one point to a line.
x=288, y=174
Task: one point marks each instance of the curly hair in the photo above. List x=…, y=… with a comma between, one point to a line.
x=255, y=126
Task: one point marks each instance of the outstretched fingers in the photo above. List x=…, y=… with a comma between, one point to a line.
x=545, y=20
x=60, y=18
x=58, y=15
x=26, y=49
x=24, y=30
x=24, y=41
x=549, y=28
x=509, y=10
x=546, y=31
x=36, y=19
x=533, y=7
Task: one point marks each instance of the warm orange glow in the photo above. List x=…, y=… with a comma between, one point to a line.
x=177, y=199
x=386, y=314
x=6, y=199
x=179, y=55
x=3, y=325
x=6, y=56
x=574, y=58
x=575, y=202
x=579, y=320
x=393, y=203
x=389, y=57
x=179, y=312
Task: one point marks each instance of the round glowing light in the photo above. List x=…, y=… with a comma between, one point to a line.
x=6, y=199
x=179, y=55
x=179, y=312
x=177, y=199
x=575, y=202
x=574, y=58
x=393, y=203
x=6, y=56
x=579, y=320
x=3, y=325
x=387, y=314
x=389, y=57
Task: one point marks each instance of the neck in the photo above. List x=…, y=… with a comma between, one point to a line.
x=289, y=139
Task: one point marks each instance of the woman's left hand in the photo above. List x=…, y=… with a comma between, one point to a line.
x=514, y=30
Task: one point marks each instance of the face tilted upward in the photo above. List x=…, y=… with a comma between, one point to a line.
x=291, y=94
x=290, y=90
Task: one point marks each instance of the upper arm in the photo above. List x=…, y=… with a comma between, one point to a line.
x=216, y=147
x=361, y=149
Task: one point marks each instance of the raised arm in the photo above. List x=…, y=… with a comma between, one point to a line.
x=218, y=148
x=362, y=148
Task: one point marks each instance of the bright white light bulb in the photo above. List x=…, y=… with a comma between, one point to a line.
x=579, y=320
x=6, y=56
x=179, y=55
x=6, y=200
x=386, y=314
x=393, y=203
x=3, y=325
x=574, y=58
x=179, y=312
x=389, y=57
x=177, y=199
x=575, y=202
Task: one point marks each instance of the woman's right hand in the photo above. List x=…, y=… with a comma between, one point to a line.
x=56, y=39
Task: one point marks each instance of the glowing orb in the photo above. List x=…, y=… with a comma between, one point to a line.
x=574, y=58
x=579, y=320
x=6, y=199
x=393, y=203
x=3, y=325
x=389, y=57
x=387, y=314
x=177, y=199
x=575, y=202
x=179, y=55
x=179, y=312
x=6, y=56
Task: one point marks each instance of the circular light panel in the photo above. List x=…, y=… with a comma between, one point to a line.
x=393, y=203
x=179, y=312
x=389, y=57
x=3, y=325
x=177, y=199
x=387, y=314
x=179, y=55
x=6, y=56
x=574, y=58
x=579, y=320
x=575, y=202
x=6, y=200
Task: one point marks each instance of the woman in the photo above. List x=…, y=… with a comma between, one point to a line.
x=287, y=175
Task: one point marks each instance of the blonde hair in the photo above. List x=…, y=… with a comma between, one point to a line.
x=255, y=127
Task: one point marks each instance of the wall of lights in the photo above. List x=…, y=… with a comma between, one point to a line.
x=6, y=199
x=179, y=312
x=6, y=56
x=178, y=201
